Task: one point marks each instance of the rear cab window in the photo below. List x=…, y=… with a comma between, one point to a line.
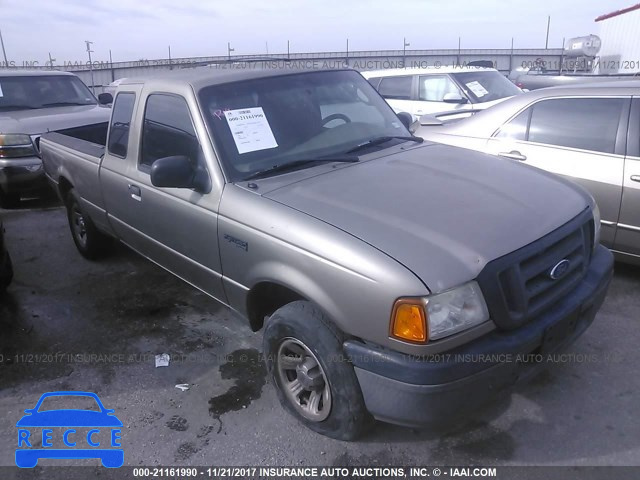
x=118, y=141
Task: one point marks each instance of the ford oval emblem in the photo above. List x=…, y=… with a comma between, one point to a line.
x=560, y=269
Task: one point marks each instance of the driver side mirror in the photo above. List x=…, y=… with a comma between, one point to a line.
x=454, y=98
x=105, y=99
x=405, y=118
x=179, y=172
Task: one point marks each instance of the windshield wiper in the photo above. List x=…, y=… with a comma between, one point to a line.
x=17, y=107
x=300, y=163
x=378, y=140
x=63, y=104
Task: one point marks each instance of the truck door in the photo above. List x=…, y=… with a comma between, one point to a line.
x=628, y=234
x=174, y=227
x=581, y=138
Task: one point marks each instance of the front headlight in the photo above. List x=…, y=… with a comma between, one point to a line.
x=16, y=145
x=456, y=310
x=596, y=226
x=419, y=320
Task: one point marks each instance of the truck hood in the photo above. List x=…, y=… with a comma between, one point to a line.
x=39, y=121
x=443, y=212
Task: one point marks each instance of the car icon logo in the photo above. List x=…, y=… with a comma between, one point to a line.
x=560, y=269
x=69, y=433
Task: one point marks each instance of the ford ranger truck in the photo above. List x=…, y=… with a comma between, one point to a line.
x=392, y=278
x=34, y=102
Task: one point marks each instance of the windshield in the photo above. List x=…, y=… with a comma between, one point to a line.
x=483, y=86
x=23, y=93
x=272, y=121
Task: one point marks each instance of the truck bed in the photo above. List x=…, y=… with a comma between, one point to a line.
x=74, y=155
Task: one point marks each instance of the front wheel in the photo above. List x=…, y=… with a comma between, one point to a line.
x=90, y=242
x=314, y=383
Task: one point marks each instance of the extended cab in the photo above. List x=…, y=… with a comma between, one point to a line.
x=32, y=103
x=392, y=278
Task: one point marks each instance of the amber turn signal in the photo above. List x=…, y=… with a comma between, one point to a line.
x=408, y=320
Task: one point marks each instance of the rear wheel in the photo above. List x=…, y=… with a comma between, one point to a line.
x=314, y=383
x=90, y=242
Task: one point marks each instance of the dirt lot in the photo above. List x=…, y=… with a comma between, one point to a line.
x=70, y=324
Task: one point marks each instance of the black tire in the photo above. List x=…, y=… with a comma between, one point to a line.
x=9, y=200
x=301, y=321
x=90, y=242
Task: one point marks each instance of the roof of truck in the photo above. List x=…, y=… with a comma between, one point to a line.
x=31, y=73
x=224, y=73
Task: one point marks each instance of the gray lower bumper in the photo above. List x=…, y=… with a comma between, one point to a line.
x=415, y=391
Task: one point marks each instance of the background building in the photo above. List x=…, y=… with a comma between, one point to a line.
x=620, y=35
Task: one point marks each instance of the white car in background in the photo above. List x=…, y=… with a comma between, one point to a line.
x=435, y=90
x=111, y=88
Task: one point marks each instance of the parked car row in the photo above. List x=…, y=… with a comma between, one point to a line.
x=33, y=103
x=587, y=133
x=299, y=199
x=459, y=90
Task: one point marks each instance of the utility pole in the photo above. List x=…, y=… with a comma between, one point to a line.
x=51, y=60
x=511, y=57
x=546, y=43
x=288, y=53
x=170, y=66
x=347, y=60
x=113, y=74
x=459, y=44
x=89, y=51
x=229, y=50
x=405, y=44
x=266, y=46
x=4, y=53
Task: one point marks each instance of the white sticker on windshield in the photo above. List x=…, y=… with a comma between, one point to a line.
x=477, y=89
x=1, y=94
x=250, y=129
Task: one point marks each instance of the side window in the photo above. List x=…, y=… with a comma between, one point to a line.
x=374, y=81
x=120, y=123
x=516, y=129
x=585, y=123
x=167, y=130
x=433, y=88
x=397, y=88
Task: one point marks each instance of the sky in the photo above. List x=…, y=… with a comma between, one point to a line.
x=144, y=30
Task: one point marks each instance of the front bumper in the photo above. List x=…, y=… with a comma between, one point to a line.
x=420, y=391
x=22, y=175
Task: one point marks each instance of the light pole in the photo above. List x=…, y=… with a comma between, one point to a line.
x=93, y=89
x=405, y=44
x=229, y=50
x=4, y=53
x=546, y=42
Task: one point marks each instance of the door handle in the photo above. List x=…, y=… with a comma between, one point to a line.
x=635, y=178
x=513, y=155
x=135, y=192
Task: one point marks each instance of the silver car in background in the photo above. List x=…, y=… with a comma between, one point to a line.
x=588, y=133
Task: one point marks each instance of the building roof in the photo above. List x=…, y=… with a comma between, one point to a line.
x=618, y=12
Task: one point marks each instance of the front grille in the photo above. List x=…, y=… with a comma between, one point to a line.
x=518, y=287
